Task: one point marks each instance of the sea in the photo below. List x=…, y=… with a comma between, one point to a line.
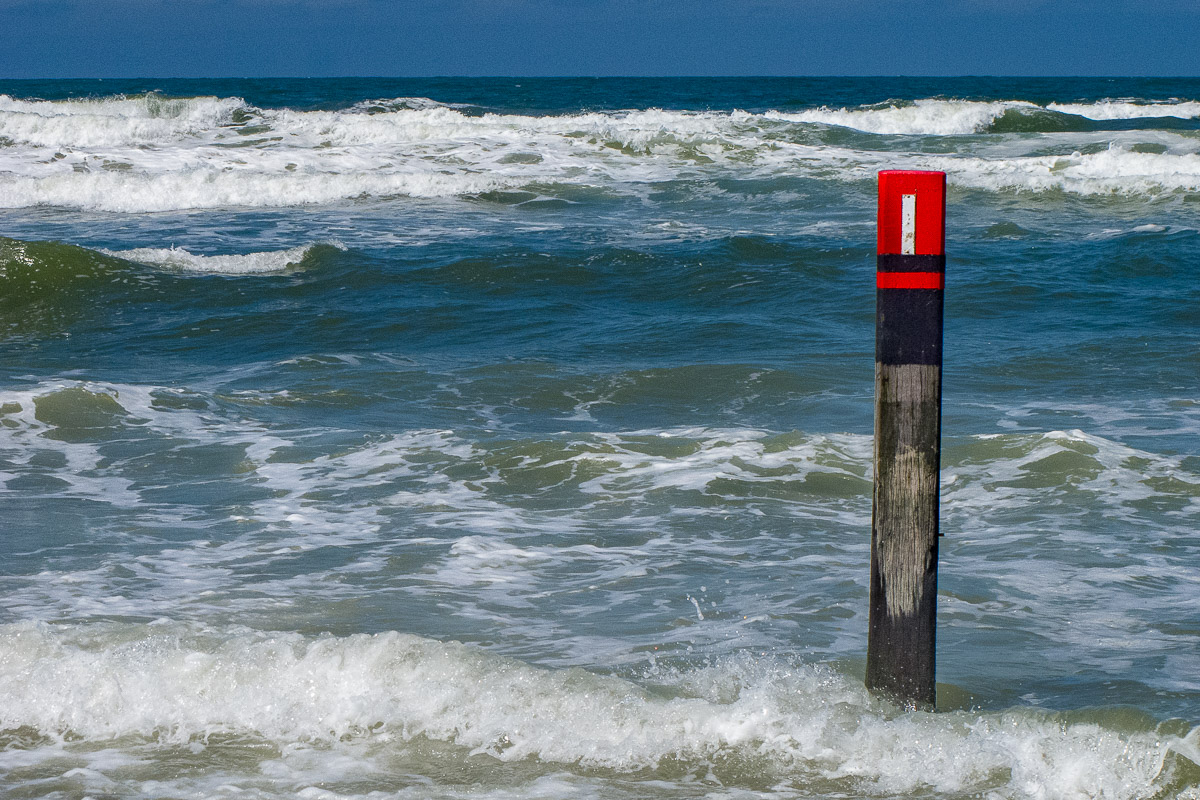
x=507, y=439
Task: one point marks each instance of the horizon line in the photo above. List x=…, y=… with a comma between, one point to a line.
x=1028, y=76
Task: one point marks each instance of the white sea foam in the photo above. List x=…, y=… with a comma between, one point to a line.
x=1116, y=474
x=923, y=117
x=237, y=264
x=144, y=106
x=113, y=122
x=79, y=471
x=401, y=103
x=514, y=558
x=794, y=722
x=1124, y=109
x=1116, y=171
x=217, y=188
x=741, y=454
x=150, y=154
x=519, y=559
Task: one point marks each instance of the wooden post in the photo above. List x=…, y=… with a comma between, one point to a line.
x=910, y=278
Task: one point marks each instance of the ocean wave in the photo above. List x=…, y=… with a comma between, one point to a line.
x=38, y=272
x=50, y=288
x=388, y=105
x=1009, y=472
x=739, y=718
x=123, y=192
x=136, y=121
x=31, y=271
x=150, y=105
x=948, y=117
x=1115, y=171
x=234, y=264
x=148, y=119
x=1125, y=109
x=145, y=154
x=925, y=117
x=489, y=496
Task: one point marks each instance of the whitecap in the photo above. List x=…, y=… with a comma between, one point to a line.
x=922, y=117
x=1126, y=109
x=177, y=684
x=234, y=264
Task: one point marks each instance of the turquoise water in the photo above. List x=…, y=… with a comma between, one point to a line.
x=512, y=438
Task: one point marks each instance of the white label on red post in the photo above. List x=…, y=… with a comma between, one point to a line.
x=908, y=224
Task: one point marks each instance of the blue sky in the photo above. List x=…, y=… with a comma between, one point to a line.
x=211, y=38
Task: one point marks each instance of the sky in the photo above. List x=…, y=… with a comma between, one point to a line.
x=248, y=38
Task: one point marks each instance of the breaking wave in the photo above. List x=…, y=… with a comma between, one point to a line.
x=149, y=153
x=745, y=720
x=1123, y=109
x=923, y=117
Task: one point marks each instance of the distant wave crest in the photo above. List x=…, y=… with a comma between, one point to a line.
x=145, y=153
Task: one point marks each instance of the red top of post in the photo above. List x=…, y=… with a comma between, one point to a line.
x=912, y=212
